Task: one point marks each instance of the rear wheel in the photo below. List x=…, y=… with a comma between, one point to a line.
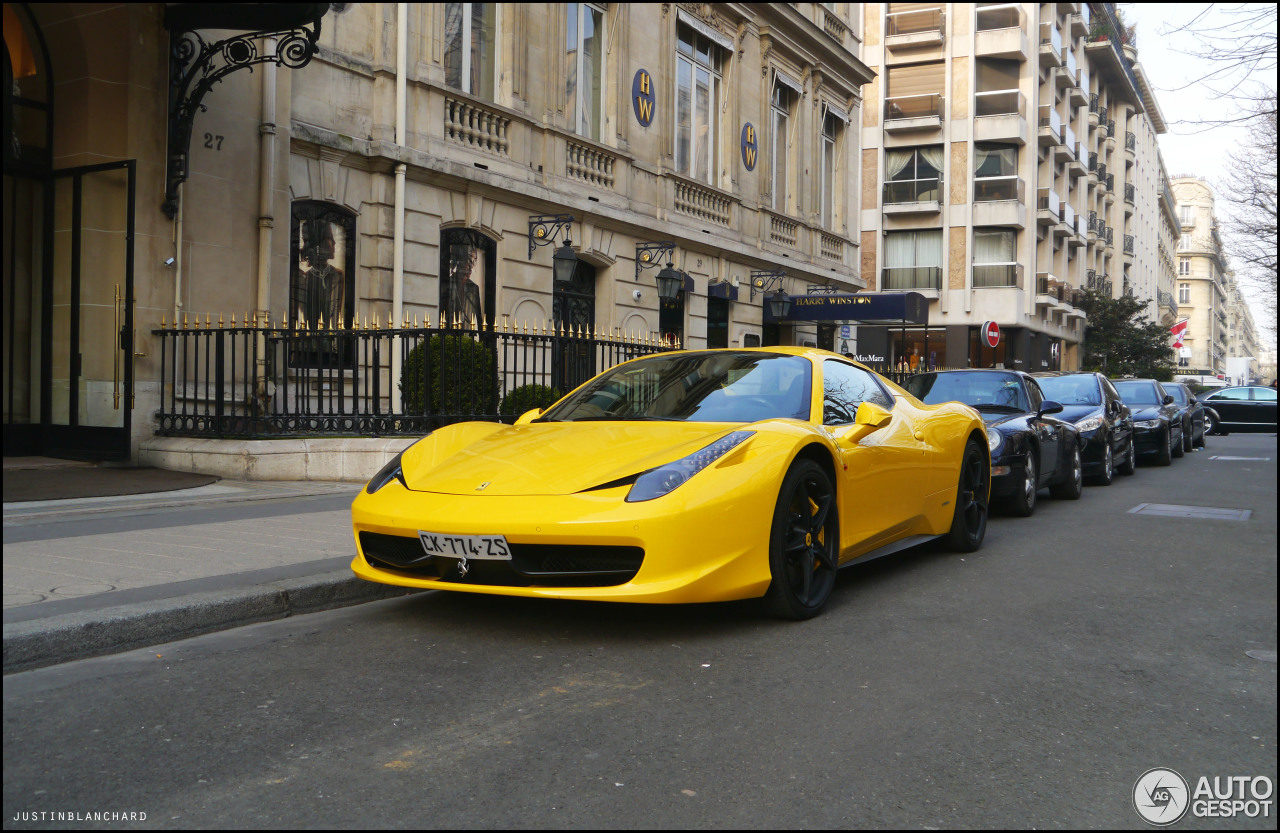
x=1204, y=432
x=969, y=521
x=1072, y=485
x=1023, y=503
x=1188, y=437
x=1178, y=443
x=804, y=544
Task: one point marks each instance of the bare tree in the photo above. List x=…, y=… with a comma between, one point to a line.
x=1251, y=189
x=1240, y=52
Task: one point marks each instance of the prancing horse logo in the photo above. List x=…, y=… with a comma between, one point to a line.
x=483, y=486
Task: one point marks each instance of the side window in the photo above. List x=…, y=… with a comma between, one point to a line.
x=844, y=388
x=1264, y=394
x=1034, y=394
x=1231, y=395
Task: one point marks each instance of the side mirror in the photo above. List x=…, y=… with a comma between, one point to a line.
x=1049, y=407
x=869, y=419
x=1168, y=399
x=529, y=416
x=1194, y=400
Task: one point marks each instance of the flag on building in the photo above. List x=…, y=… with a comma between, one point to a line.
x=1179, y=330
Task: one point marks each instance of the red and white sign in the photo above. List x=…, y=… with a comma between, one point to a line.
x=1179, y=330
x=991, y=333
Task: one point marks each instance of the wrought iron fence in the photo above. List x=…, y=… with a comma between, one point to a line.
x=261, y=381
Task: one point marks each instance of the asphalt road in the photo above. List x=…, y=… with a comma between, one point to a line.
x=1026, y=685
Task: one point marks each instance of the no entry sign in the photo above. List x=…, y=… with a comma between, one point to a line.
x=991, y=333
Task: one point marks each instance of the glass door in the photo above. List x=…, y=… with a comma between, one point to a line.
x=88, y=338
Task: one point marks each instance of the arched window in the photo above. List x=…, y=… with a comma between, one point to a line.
x=468, y=276
x=322, y=278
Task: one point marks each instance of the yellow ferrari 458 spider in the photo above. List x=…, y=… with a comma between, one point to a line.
x=692, y=476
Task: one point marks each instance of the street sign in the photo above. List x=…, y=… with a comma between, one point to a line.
x=991, y=333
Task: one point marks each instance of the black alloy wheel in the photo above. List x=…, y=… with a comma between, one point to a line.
x=1108, y=465
x=1198, y=442
x=1130, y=465
x=1165, y=455
x=1072, y=486
x=1178, y=442
x=973, y=493
x=804, y=545
x=1023, y=503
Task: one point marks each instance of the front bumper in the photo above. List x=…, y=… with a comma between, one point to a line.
x=698, y=546
x=1093, y=451
x=1008, y=474
x=1150, y=440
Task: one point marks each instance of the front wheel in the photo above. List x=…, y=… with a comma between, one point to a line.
x=1177, y=444
x=1188, y=437
x=1165, y=456
x=969, y=521
x=804, y=544
x=1023, y=503
x=1130, y=464
x=1070, y=487
x=1108, y=464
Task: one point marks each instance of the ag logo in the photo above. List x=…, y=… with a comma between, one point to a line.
x=1161, y=796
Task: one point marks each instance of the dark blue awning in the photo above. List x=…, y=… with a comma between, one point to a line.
x=866, y=307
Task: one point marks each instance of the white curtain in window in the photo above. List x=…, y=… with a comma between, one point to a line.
x=913, y=248
x=995, y=161
x=933, y=155
x=895, y=161
x=992, y=246
x=929, y=248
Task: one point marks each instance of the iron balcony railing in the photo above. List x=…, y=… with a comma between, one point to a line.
x=1130, y=191
x=991, y=188
x=1111, y=128
x=1093, y=102
x=1093, y=161
x=911, y=277
x=920, y=106
x=1128, y=244
x=1130, y=140
x=1107, y=234
x=1110, y=180
x=913, y=191
x=263, y=381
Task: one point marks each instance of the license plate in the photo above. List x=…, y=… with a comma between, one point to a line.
x=470, y=547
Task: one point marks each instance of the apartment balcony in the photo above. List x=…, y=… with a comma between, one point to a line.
x=1106, y=235
x=1001, y=32
x=1077, y=164
x=1127, y=249
x=1102, y=177
x=1092, y=226
x=1130, y=192
x=1064, y=77
x=1047, y=289
x=1052, y=45
x=1050, y=126
x=1080, y=22
x=1111, y=134
x=1109, y=181
x=1074, y=224
x=913, y=196
x=1094, y=107
x=922, y=27
x=998, y=116
x=913, y=112
x=1103, y=122
x=1130, y=145
x=987, y=275
x=1076, y=298
x=1066, y=225
x=1166, y=302
x=901, y=278
x=1066, y=149
x=1048, y=207
x=1093, y=166
x=1078, y=96
x=999, y=201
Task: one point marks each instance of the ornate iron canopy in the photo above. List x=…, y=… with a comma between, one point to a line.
x=195, y=64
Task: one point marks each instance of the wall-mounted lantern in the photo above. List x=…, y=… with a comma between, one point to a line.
x=542, y=232
x=779, y=302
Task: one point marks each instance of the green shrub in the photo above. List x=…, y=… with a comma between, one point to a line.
x=526, y=398
x=460, y=380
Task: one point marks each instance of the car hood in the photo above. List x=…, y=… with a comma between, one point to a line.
x=1149, y=412
x=554, y=458
x=996, y=418
x=1075, y=413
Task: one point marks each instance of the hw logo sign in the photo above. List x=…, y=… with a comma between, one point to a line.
x=642, y=97
x=750, y=148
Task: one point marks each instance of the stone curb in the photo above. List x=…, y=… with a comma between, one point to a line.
x=72, y=636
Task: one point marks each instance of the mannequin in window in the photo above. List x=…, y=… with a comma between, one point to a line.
x=463, y=298
x=322, y=283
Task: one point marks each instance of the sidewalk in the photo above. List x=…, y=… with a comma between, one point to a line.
x=94, y=572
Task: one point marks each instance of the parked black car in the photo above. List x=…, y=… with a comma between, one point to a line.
x=1157, y=428
x=1093, y=405
x=1245, y=408
x=1029, y=448
x=1190, y=412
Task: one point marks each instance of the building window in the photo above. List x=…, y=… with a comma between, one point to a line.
x=717, y=322
x=1184, y=293
x=1184, y=266
x=913, y=260
x=915, y=91
x=322, y=279
x=995, y=172
x=468, y=262
x=574, y=309
x=780, y=142
x=1184, y=243
x=470, y=47
x=584, y=69
x=1187, y=215
x=994, y=261
x=832, y=134
x=913, y=175
x=698, y=68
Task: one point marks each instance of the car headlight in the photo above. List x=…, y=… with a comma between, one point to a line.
x=994, y=439
x=391, y=471
x=1148, y=423
x=667, y=478
x=1091, y=423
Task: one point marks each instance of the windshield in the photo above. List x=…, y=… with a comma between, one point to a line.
x=721, y=386
x=1178, y=392
x=1139, y=393
x=1071, y=390
x=979, y=389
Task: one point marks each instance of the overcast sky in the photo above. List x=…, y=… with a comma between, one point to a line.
x=1165, y=50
